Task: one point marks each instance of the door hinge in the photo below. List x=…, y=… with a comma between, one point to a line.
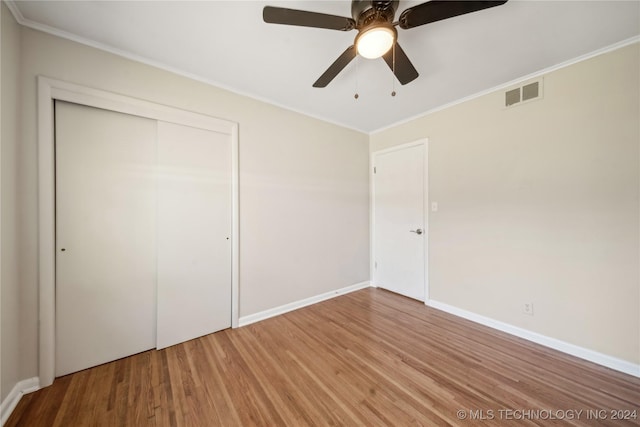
x=375, y=264
x=374, y=169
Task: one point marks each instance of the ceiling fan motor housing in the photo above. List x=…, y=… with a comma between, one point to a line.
x=367, y=12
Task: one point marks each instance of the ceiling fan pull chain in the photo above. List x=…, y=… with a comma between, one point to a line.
x=356, y=96
x=393, y=72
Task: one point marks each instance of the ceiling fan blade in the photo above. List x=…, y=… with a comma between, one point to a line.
x=403, y=69
x=302, y=18
x=337, y=66
x=437, y=10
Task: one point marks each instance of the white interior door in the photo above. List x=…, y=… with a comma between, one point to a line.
x=399, y=232
x=194, y=233
x=105, y=236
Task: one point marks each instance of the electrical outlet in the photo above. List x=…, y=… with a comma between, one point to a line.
x=527, y=308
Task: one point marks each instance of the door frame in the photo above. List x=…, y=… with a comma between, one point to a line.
x=372, y=163
x=50, y=90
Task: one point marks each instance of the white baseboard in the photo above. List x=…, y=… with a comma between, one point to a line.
x=556, y=344
x=252, y=318
x=12, y=399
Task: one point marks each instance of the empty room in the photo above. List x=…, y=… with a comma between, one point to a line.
x=314, y=213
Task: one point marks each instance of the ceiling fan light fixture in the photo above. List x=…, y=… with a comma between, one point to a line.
x=375, y=41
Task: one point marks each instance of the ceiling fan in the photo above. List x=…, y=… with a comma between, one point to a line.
x=377, y=35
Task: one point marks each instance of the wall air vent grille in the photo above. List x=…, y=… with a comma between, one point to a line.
x=523, y=93
x=530, y=91
x=512, y=97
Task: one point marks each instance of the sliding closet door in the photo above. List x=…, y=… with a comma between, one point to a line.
x=194, y=232
x=105, y=236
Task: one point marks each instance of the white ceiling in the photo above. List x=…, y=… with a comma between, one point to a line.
x=226, y=44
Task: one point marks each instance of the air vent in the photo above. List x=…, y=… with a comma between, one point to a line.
x=524, y=93
x=512, y=97
x=530, y=91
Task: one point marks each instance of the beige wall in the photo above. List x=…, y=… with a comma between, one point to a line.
x=540, y=203
x=10, y=215
x=303, y=182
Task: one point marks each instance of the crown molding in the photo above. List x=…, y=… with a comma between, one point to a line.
x=11, y=4
x=13, y=8
x=515, y=82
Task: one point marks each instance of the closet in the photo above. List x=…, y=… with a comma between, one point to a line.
x=143, y=234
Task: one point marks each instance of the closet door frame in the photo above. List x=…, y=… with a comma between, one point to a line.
x=50, y=90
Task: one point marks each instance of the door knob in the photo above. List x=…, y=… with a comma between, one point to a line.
x=418, y=231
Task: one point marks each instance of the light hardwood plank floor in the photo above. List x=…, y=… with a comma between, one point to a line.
x=367, y=358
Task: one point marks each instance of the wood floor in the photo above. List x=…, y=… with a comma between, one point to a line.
x=368, y=358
